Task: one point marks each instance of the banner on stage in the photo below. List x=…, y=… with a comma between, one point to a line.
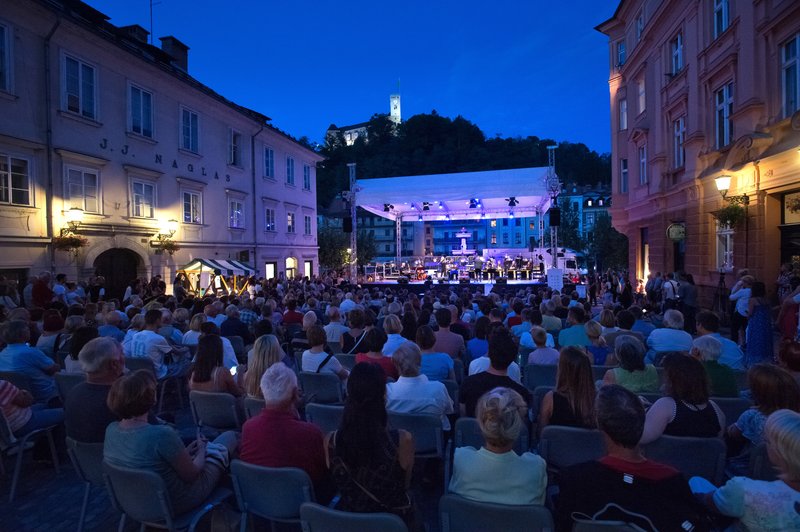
x=581, y=289
x=555, y=278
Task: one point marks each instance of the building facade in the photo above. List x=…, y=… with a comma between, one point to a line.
x=109, y=139
x=704, y=97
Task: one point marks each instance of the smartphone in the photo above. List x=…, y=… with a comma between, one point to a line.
x=233, y=370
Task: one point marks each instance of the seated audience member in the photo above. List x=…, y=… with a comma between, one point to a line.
x=352, y=338
x=446, y=340
x=495, y=473
x=572, y=402
x=316, y=360
x=180, y=319
x=147, y=343
x=482, y=363
x=22, y=414
x=502, y=352
x=233, y=326
x=607, y=321
x=373, y=343
x=172, y=334
x=597, y=348
x=370, y=464
x=574, y=334
x=758, y=504
x=413, y=393
x=31, y=362
x=772, y=389
x=642, y=325
x=277, y=437
x=632, y=373
x=190, y=473
x=266, y=352
x=335, y=328
x=542, y=354
x=707, y=324
x=209, y=374
x=789, y=358
x=686, y=410
x=624, y=485
x=229, y=360
x=707, y=350
x=393, y=327
x=80, y=338
x=550, y=323
x=437, y=366
x=625, y=322
x=50, y=341
x=671, y=337
x=191, y=336
x=111, y=328
x=478, y=346
x=525, y=326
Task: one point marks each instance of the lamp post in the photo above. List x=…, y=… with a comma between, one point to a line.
x=723, y=184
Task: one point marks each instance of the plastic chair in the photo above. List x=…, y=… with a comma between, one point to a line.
x=327, y=417
x=701, y=457
x=565, y=446
x=137, y=363
x=67, y=381
x=87, y=459
x=142, y=496
x=598, y=372
x=252, y=406
x=467, y=433
x=217, y=411
x=316, y=518
x=427, y=432
x=10, y=444
x=321, y=387
x=458, y=370
x=452, y=391
x=274, y=493
x=458, y=514
x=346, y=360
x=760, y=467
x=536, y=401
x=20, y=380
x=237, y=342
x=537, y=375
x=732, y=407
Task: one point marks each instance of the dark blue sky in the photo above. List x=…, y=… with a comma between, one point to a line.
x=513, y=67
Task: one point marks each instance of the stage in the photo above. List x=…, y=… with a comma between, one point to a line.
x=486, y=287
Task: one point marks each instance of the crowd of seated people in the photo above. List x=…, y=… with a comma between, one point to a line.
x=410, y=353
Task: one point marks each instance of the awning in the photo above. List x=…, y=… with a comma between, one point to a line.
x=462, y=196
x=220, y=267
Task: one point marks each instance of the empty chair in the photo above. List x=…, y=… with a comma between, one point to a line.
x=321, y=387
x=732, y=407
x=458, y=370
x=274, y=493
x=565, y=446
x=237, y=342
x=760, y=467
x=536, y=375
x=67, y=381
x=701, y=457
x=87, y=459
x=10, y=445
x=458, y=514
x=427, y=432
x=467, y=433
x=326, y=417
x=217, y=411
x=536, y=402
x=143, y=496
x=347, y=360
x=452, y=390
x=317, y=518
x=252, y=406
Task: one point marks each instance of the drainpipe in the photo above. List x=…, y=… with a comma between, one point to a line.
x=49, y=141
x=255, y=216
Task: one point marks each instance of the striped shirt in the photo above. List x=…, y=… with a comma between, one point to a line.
x=16, y=416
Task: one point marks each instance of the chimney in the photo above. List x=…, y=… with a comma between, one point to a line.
x=135, y=32
x=178, y=51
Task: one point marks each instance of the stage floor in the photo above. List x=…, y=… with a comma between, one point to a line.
x=486, y=287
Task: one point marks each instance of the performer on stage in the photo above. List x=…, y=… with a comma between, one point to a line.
x=477, y=264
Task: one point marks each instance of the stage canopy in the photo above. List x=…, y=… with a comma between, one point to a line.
x=462, y=196
x=219, y=266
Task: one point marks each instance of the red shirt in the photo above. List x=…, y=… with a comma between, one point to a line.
x=648, y=469
x=385, y=363
x=292, y=316
x=276, y=438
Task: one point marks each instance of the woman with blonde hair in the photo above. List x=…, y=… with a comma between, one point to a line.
x=266, y=352
x=598, y=348
x=191, y=336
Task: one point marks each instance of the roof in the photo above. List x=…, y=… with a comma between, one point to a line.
x=219, y=267
x=452, y=194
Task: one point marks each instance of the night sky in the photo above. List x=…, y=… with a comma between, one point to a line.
x=514, y=68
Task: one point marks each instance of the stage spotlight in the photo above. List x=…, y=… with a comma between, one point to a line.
x=387, y=207
x=447, y=217
x=479, y=204
x=473, y=203
x=512, y=201
x=441, y=204
x=419, y=219
x=483, y=216
x=510, y=214
x=426, y=206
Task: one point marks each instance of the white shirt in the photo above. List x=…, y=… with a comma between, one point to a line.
x=218, y=319
x=742, y=298
x=481, y=364
x=418, y=395
x=59, y=293
x=311, y=362
x=149, y=344
x=334, y=331
x=229, y=359
x=481, y=475
x=346, y=306
x=191, y=338
x=759, y=505
x=393, y=341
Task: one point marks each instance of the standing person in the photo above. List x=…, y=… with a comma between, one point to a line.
x=783, y=282
x=759, y=327
x=740, y=295
x=687, y=294
x=670, y=291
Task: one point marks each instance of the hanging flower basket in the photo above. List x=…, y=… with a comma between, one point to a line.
x=170, y=246
x=70, y=243
x=730, y=215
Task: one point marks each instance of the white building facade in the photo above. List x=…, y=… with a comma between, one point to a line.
x=97, y=122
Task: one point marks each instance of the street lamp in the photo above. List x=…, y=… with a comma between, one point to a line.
x=723, y=184
x=74, y=217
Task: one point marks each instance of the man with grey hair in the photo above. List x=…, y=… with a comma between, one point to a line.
x=413, y=393
x=550, y=322
x=277, y=437
x=335, y=328
x=167, y=330
x=708, y=350
x=671, y=337
x=233, y=326
x=86, y=414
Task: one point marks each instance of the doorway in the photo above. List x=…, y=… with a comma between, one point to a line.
x=291, y=267
x=119, y=266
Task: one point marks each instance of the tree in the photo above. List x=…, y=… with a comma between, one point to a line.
x=607, y=246
x=569, y=234
x=333, y=244
x=366, y=247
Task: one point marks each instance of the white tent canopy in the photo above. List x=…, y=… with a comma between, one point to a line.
x=461, y=196
x=219, y=266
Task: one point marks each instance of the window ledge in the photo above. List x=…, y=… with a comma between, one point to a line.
x=291, y=185
x=194, y=224
x=142, y=138
x=269, y=178
x=237, y=229
x=190, y=153
x=5, y=95
x=236, y=166
x=79, y=118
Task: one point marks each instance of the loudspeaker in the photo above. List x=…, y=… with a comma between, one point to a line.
x=463, y=281
x=555, y=217
x=347, y=224
x=501, y=280
x=531, y=243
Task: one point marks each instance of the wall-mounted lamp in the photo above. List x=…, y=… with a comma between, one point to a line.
x=723, y=184
x=164, y=236
x=74, y=218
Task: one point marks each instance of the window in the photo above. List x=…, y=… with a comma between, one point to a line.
x=269, y=162
x=269, y=220
x=144, y=199
x=724, y=248
x=306, y=225
x=192, y=208
x=590, y=218
x=306, y=177
x=517, y=238
x=676, y=47
x=385, y=232
x=235, y=213
x=621, y=54
x=643, y=164
x=791, y=76
x=79, y=88
x=623, y=114
x=642, y=95
x=505, y=222
x=290, y=227
x=505, y=238
x=290, y=170
x=678, y=138
x=5, y=58
x=494, y=238
x=639, y=26
x=15, y=180
x=141, y=112
x=721, y=17
x=723, y=99
x=189, y=131
x=493, y=223
x=82, y=189
x=387, y=248
x=518, y=222
x=234, y=148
